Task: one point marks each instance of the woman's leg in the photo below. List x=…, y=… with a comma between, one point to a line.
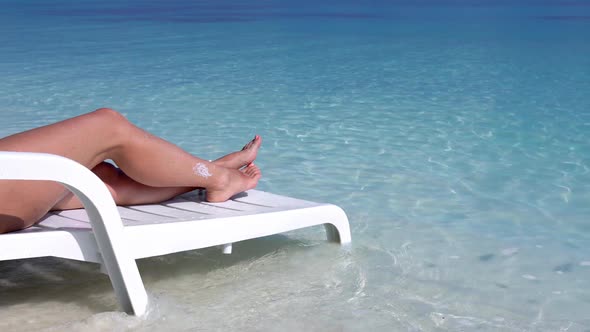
x=126, y=191
x=105, y=134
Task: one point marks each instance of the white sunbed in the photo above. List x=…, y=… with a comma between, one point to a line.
x=116, y=236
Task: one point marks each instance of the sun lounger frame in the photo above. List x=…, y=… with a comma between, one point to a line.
x=99, y=234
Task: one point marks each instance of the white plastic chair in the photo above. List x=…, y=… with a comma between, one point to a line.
x=116, y=236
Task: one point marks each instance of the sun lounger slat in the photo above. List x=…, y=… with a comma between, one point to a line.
x=263, y=198
x=78, y=214
x=203, y=208
x=61, y=220
x=239, y=206
x=165, y=212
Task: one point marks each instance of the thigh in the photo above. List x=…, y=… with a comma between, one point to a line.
x=84, y=139
x=22, y=203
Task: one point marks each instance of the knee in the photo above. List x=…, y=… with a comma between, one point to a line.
x=115, y=122
x=109, y=114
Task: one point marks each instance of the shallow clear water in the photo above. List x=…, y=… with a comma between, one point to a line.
x=454, y=134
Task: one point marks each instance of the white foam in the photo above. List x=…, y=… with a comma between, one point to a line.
x=509, y=251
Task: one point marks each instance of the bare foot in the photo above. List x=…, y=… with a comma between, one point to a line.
x=234, y=182
x=245, y=157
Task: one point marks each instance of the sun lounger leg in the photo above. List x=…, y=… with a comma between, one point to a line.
x=340, y=234
x=338, y=230
x=227, y=248
x=332, y=233
x=116, y=259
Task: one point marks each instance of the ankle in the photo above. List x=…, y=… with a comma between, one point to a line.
x=220, y=178
x=219, y=162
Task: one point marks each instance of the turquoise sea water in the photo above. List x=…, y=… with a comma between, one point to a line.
x=454, y=134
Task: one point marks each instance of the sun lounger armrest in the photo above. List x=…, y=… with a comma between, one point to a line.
x=102, y=212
